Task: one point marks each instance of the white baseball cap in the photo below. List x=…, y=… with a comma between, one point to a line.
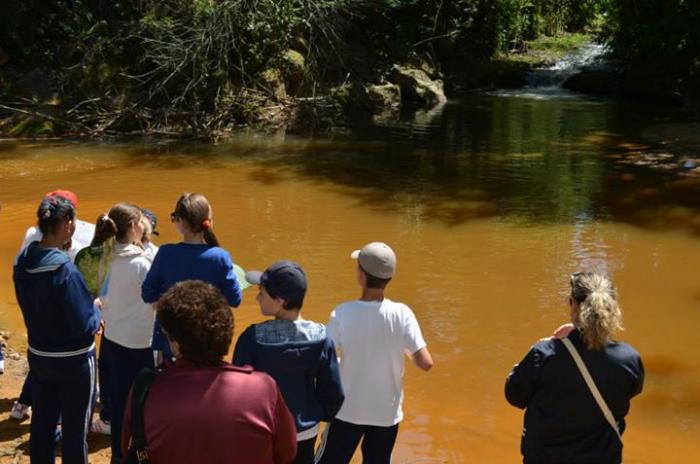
x=377, y=259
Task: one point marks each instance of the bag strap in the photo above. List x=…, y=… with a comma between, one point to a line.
x=592, y=386
x=142, y=384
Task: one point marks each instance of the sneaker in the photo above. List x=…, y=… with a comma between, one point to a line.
x=20, y=411
x=101, y=427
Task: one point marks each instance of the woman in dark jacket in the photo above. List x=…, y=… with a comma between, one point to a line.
x=563, y=421
x=61, y=322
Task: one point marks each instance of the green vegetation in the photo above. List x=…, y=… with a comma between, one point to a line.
x=203, y=65
x=658, y=43
x=546, y=49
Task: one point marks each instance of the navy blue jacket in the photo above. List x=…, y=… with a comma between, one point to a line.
x=306, y=370
x=563, y=423
x=58, y=309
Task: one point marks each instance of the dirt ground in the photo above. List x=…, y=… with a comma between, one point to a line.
x=14, y=435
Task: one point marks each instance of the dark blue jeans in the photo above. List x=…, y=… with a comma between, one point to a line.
x=25, y=397
x=61, y=387
x=341, y=438
x=103, y=379
x=123, y=367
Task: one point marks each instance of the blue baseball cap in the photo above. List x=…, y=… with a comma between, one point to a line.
x=283, y=279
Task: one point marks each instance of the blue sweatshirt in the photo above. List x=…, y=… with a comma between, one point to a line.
x=302, y=359
x=185, y=261
x=188, y=261
x=58, y=309
x=563, y=422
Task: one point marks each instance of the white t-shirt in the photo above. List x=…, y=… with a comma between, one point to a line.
x=373, y=338
x=128, y=320
x=82, y=237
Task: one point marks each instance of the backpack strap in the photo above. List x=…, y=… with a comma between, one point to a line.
x=142, y=384
x=592, y=386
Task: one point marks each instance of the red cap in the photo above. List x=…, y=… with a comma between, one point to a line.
x=67, y=194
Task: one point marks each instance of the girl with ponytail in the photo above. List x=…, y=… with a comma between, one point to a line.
x=197, y=257
x=126, y=342
x=563, y=420
x=93, y=261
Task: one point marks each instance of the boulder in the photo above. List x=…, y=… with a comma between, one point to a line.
x=384, y=97
x=599, y=82
x=294, y=66
x=272, y=78
x=416, y=86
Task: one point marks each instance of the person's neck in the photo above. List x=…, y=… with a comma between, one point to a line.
x=52, y=241
x=194, y=237
x=372, y=294
x=288, y=315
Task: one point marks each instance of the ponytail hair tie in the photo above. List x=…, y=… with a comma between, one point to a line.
x=206, y=224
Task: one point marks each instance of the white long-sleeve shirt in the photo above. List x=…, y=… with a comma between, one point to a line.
x=128, y=320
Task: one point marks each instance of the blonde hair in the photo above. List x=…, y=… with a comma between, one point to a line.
x=599, y=316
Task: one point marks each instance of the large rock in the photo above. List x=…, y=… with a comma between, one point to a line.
x=599, y=82
x=384, y=97
x=417, y=86
x=272, y=78
x=294, y=67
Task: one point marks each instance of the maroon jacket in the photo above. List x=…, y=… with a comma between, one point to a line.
x=215, y=414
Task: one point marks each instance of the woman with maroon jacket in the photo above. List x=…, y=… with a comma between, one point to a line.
x=202, y=409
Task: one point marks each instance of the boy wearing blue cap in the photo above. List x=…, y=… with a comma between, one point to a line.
x=297, y=353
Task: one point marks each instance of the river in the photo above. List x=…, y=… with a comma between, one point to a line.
x=490, y=203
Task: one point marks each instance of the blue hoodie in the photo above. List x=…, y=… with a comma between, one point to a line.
x=302, y=359
x=58, y=309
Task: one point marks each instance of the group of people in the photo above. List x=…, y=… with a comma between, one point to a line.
x=167, y=309
x=168, y=392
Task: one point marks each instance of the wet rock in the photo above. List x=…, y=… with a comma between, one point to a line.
x=417, y=86
x=294, y=67
x=384, y=97
x=599, y=82
x=272, y=78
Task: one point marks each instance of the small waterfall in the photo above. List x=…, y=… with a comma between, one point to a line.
x=555, y=75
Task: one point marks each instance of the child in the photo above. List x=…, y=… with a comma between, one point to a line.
x=128, y=320
x=93, y=263
x=197, y=257
x=61, y=322
x=371, y=334
x=149, y=229
x=80, y=238
x=295, y=352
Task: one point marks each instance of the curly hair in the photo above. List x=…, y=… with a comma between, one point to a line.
x=197, y=316
x=599, y=315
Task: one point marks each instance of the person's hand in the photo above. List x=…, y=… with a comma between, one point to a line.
x=563, y=331
x=101, y=328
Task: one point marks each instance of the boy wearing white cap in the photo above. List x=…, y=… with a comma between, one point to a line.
x=372, y=335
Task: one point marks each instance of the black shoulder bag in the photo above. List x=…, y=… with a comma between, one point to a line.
x=137, y=453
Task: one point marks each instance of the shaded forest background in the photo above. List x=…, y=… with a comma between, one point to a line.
x=168, y=60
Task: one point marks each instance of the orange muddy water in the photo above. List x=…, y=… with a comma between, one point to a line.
x=487, y=222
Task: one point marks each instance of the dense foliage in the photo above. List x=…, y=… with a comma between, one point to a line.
x=658, y=41
x=191, y=55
